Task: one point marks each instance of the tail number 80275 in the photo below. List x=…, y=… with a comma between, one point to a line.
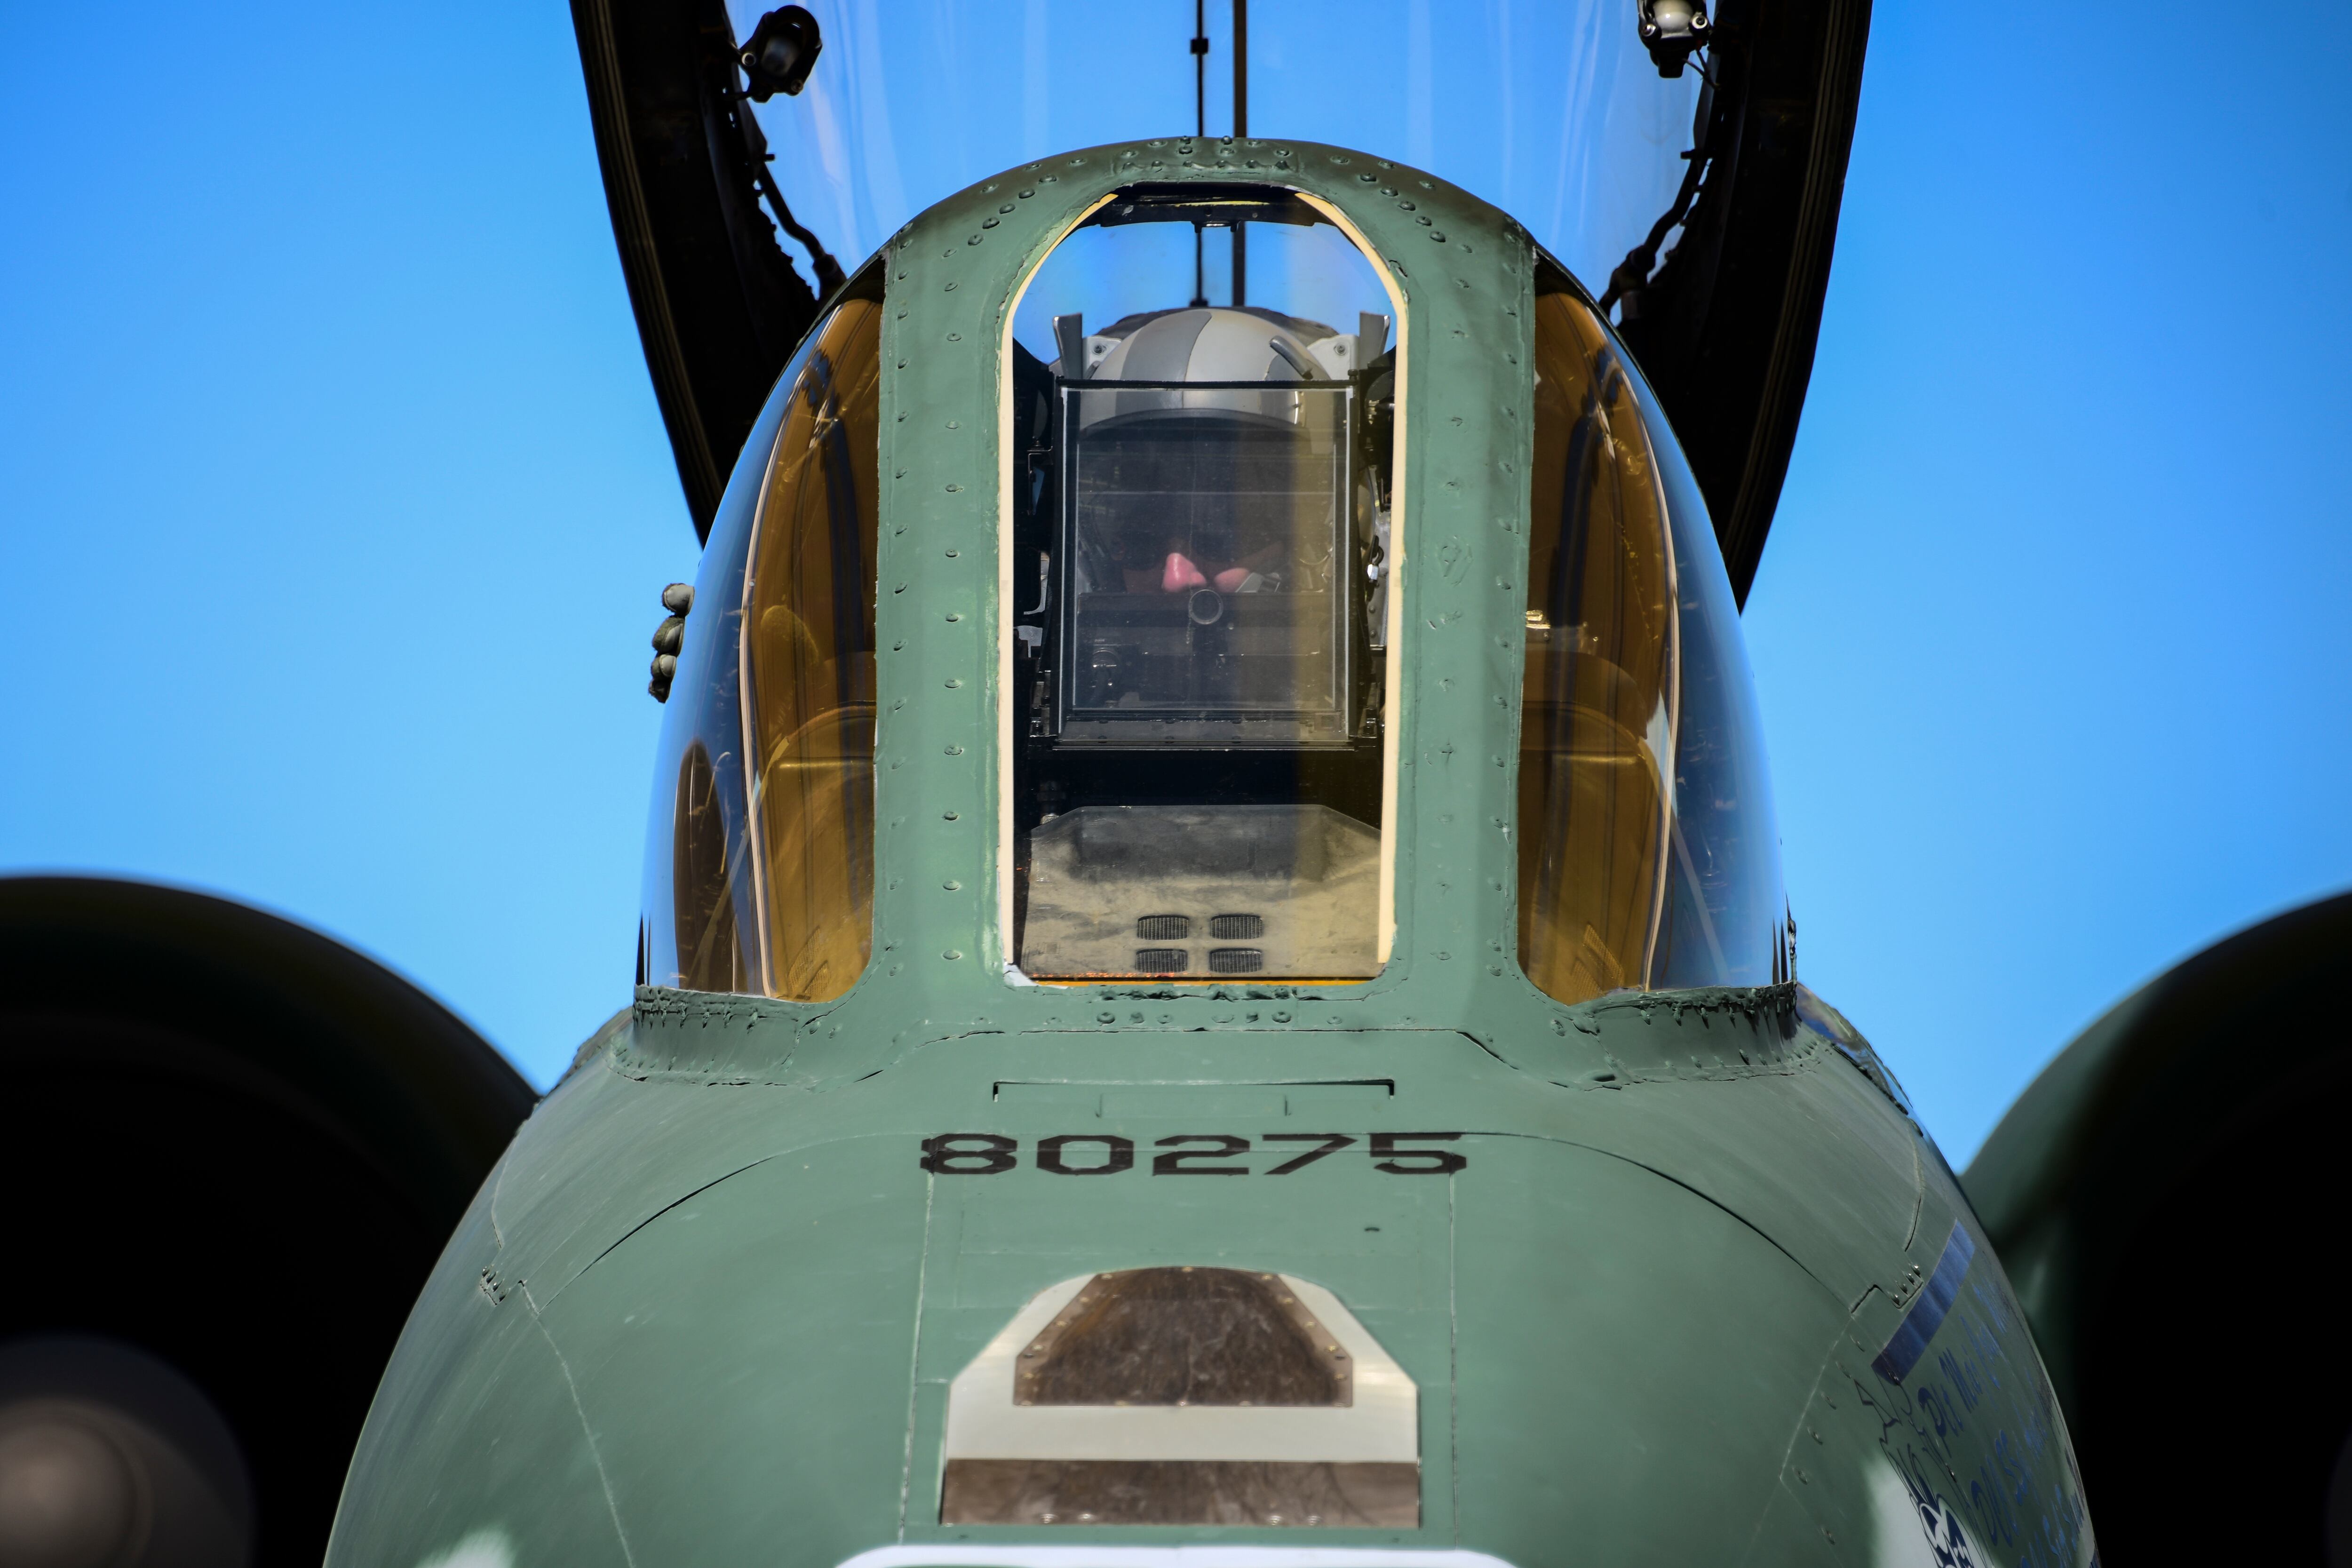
x=1187, y=1155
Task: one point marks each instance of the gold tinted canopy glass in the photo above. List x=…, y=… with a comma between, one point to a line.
x=760, y=874
x=808, y=662
x=1647, y=854
x=1597, y=721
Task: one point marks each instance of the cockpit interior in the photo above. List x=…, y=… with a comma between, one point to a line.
x=1200, y=543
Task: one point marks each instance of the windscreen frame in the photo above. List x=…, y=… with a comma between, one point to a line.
x=1391, y=655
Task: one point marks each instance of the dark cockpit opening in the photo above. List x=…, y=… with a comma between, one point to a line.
x=1201, y=539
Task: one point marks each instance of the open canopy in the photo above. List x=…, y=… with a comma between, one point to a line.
x=1699, y=206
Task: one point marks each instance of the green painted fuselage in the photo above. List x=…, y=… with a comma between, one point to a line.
x=1675, y=1280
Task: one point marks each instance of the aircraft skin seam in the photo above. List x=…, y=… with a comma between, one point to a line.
x=662, y=1007
x=1454, y=1351
x=587, y=1433
x=1919, y=1194
x=1536, y=1137
x=498, y=1189
x=1796, y=1430
x=915, y=1355
x=1852, y=1309
x=608, y=1249
x=669, y=1007
x=1676, y=1181
x=1797, y=1060
x=665, y=1009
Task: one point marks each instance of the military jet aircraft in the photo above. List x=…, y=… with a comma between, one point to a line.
x=1213, y=983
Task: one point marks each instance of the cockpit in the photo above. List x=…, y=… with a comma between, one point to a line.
x=1206, y=544
x=1203, y=523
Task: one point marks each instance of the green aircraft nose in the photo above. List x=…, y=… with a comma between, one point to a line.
x=1214, y=977
x=694, y=1322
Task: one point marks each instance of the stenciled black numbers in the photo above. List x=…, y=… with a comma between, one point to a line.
x=1387, y=1156
x=1187, y=1155
x=947, y=1154
x=1181, y=1162
x=1325, y=1143
x=1109, y=1155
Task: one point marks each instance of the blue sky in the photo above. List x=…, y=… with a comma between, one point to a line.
x=334, y=505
